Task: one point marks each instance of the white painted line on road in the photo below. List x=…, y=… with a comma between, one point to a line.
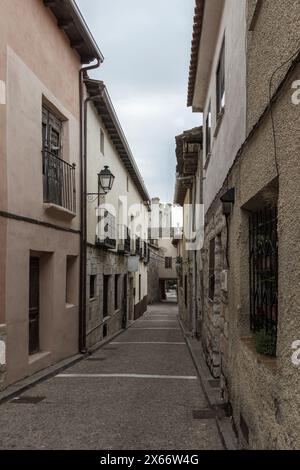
x=128, y=376
x=171, y=321
x=158, y=328
x=146, y=342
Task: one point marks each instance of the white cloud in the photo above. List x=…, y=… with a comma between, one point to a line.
x=147, y=49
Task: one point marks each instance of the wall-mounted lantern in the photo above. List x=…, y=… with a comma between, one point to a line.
x=105, y=184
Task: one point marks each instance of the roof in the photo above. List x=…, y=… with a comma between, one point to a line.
x=71, y=21
x=197, y=30
x=104, y=106
x=187, y=155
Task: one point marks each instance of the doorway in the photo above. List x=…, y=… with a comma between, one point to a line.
x=34, y=305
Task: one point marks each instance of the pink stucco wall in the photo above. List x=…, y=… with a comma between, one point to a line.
x=36, y=63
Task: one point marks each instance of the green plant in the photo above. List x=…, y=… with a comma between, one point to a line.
x=265, y=342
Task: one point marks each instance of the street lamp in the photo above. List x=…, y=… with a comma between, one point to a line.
x=105, y=184
x=105, y=180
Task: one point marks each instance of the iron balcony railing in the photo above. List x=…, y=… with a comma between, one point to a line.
x=124, y=239
x=106, y=236
x=59, y=181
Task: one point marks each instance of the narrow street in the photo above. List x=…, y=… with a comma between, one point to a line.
x=137, y=392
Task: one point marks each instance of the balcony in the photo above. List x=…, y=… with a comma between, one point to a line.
x=59, y=184
x=106, y=231
x=124, y=237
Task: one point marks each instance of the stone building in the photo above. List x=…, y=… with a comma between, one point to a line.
x=117, y=256
x=162, y=276
x=42, y=48
x=250, y=318
x=189, y=195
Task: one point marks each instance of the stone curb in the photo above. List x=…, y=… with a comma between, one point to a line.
x=25, y=384
x=224, y=424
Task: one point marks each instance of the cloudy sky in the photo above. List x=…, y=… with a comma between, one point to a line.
x=146, y=45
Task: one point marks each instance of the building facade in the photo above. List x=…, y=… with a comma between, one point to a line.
x=117, y=249
x=40, y=182
x=189, y=196
x=250, y=254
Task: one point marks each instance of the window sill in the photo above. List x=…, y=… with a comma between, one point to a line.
x=33, y=358
x=58, y=211
x=69, y=306
x=219, y=122
x=267, y=361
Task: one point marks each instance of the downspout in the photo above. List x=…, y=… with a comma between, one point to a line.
x=83, y=231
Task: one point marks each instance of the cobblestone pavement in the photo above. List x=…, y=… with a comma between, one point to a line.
x=137, y=392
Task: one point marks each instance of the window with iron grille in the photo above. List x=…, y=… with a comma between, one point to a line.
x=220, y=81
x=263, y=264
x=211, y=275
x=168, y=262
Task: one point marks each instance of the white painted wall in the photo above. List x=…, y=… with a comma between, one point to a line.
x=95, y=163
x=232, y=130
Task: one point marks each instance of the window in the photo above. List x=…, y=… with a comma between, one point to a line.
x=117, y=291
x=263, y=262
x=185, y=290
x=211, y=276
x=221, y=81
x=92, y=286
x=102, y=137
x=58, y=175
x=140, y=286
x=127, y=184
x=208, y=131
x=52, y=129
x=168, y=263
x=71, y=285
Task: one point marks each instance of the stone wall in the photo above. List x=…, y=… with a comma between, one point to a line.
x=99, y=263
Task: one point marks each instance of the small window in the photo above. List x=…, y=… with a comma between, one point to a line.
x=208, y=132
x=127, y=184
x=71, y=286
x=168, y=263
x=140, y=287
x=211, y=281
x=117, y=291
x=221, y=81
x=92, y=286
x=102, y=138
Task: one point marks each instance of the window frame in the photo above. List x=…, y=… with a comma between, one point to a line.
x=221, y=82
x=208, y=131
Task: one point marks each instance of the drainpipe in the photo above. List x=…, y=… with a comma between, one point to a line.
x=83, y=174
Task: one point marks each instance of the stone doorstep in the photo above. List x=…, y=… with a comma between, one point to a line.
x=28, y=382
x=212, y=393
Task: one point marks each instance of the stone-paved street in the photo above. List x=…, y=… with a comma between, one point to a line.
x=137, y=392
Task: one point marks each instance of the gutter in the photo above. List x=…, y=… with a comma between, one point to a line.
x=83, y=215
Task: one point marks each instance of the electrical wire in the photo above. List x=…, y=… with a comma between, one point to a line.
x=293, y=56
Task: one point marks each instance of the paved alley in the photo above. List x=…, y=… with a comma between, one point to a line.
x=137, y=392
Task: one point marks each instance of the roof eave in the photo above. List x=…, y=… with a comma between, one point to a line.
x=117, y=135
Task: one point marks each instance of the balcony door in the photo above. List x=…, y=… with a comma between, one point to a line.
x=34, y=305
x=52, y=128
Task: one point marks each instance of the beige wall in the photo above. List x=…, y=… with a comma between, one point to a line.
x=36, y=63
x=167, y=249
